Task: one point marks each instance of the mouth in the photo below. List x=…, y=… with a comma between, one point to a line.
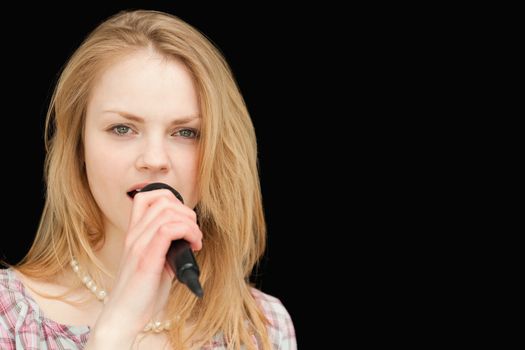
x=135, y=189
x=131, y=194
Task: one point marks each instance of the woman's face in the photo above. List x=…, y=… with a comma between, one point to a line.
x=142, y=126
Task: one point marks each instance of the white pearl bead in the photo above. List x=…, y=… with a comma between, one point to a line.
x=101, y=295
x=148, y=327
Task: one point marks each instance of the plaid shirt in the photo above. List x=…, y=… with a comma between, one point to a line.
x=23, y=326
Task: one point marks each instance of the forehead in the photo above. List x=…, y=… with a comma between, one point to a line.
x=145, y=82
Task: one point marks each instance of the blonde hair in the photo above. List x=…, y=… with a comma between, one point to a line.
x=230, y=209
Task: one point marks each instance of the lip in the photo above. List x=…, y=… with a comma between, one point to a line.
x=138, y=186
x=132, y=190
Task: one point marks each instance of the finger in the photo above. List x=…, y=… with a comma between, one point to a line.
x=159, y=246
x=163, y=210
x=150, y=213
x=143, y=200
x=162, y=231
x=152, y=208
x=162, y=202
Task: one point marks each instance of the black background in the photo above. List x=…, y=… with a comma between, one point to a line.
x=282, y=60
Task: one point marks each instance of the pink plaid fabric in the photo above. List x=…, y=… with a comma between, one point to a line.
x=23, y=326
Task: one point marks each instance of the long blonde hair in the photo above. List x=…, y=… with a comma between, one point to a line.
x=230, y=209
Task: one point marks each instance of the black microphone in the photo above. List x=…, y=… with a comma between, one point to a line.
x=179, y=256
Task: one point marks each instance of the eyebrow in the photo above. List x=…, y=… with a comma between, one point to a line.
x=178, y=121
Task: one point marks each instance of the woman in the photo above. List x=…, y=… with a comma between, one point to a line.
x=146, y=98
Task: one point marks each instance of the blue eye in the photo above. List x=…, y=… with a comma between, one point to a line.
x=188, y=133
x=121, y=130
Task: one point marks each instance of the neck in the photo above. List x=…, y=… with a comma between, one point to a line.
x=111, y=251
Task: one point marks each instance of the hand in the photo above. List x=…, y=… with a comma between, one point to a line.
x=144, y=278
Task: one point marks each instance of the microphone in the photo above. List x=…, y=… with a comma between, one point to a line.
x=179, y=256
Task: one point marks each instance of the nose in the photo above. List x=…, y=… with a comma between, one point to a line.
x=153, y=156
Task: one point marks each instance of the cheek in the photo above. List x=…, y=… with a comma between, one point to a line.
x=100, y=165
x=104, y=175
x=100, y=170
x=189, y=175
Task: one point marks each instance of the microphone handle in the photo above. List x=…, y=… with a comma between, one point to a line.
x=183, y=263
x=180, y=256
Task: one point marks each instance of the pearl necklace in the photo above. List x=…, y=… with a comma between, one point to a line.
x=102, y=295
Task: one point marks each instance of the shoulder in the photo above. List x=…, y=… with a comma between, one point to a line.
x=11, y=292
x=13, y=306
x=19, y=313
x=22, y=322
x=280, y=325
x=13, y=298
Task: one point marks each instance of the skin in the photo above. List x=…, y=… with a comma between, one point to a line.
x=119, y=154
x=142, y=126
x=159, y=91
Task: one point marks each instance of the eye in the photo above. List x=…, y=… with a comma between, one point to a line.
x=188, y=133
x=121, y=130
